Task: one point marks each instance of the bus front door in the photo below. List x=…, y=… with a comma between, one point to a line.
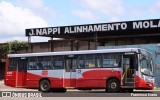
x=22, y=73
x=128, y=67
x=70, y=73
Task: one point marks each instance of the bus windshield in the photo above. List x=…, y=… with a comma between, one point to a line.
x=146, y=64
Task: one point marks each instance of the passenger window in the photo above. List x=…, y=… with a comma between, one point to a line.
x=98, y=60
x=111, y=60
x=89, y=63
x=41, y=63
x=44, y=63
x=12, y=64
x=48, y=63
x=81, y=61
x=58, y=62
x=32, y=63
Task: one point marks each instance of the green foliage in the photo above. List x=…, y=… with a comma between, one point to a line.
x=14, y=46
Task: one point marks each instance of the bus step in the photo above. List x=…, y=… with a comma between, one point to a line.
x=128, y=84
x=129, y=80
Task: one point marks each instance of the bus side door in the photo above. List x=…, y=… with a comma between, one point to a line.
x=70, y=72
x=22, y=73
x=128, y=68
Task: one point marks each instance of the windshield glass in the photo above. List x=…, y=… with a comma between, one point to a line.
x=146, y=64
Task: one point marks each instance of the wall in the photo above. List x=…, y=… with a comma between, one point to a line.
x=58, y=45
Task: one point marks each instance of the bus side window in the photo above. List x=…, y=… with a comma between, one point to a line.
x=81, y=61
x=89, y=62
x=98, y=60
x=58, y=62
x=12, y=64
x=40, y=63
x=32, y=63
x=45, y=63
x=111, y=60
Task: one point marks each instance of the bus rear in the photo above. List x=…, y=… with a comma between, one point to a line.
x=15, y=72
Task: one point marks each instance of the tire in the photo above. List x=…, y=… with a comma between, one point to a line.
x=113, y=85
x=44, y=86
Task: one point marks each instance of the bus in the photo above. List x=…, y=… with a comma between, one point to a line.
x=115, y=70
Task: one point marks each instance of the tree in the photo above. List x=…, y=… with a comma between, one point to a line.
x=13, y=47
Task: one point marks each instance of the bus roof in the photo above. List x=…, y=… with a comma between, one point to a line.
x=75, y=52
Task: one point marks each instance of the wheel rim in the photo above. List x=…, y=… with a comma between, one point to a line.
x=113, y=85
x=44, y=86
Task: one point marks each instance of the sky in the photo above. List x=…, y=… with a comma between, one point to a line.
x=18, y=15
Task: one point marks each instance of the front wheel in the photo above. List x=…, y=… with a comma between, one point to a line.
x=44, y=86
x=113, y=85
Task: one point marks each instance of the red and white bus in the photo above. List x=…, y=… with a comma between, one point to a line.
x=114, y=70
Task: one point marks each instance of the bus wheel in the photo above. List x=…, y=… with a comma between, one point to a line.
x=113, y=85
x=44, y=86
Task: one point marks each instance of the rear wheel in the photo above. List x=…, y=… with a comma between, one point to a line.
x=113, y=85
x=44, y=86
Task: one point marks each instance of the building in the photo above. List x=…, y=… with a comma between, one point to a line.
x=142, y=34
